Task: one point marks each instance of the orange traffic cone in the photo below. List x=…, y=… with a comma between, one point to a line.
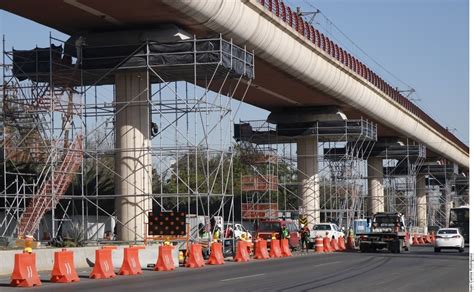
x=334, y=244
x=24, y=271
x=319, y=245
x=285, y=248
x=131, y=262
x=103, y=267
x=341, y=243
x=64, y=270
x=275, y=250
x=165, y=258
x=261, y=252
x=195, y=259
x=350, y=243
x=242, y=253
x=216, y=257
x=327, y=244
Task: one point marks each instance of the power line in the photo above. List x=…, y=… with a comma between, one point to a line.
x=330, y=22
x=411, y=90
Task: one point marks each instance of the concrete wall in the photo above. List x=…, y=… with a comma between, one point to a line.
x=45, y=257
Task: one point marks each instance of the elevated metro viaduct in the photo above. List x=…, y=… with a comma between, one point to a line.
x=296, y=66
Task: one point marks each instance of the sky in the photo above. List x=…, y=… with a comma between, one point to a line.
x=420, y=44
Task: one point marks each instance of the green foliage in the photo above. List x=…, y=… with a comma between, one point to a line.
x=75, y=237
x=191, y=167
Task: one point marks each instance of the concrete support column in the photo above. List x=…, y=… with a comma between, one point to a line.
x=421, y=206
x=308, y=181
x=448, y=202
x=375, y=183
x=132, y=156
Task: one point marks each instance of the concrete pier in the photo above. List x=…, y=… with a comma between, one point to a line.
x=375, y=182
x=421, y=207
x=132, y=156
x=308, y=181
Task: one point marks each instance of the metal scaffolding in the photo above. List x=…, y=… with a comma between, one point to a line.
x=442, y=193
x=343, y=146
x=403, y=160
x=59, y=116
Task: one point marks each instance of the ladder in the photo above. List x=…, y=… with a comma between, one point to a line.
x=51, y=190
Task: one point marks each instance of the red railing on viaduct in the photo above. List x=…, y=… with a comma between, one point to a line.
x=286, y=14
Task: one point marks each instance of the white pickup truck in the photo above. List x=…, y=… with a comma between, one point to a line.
x=320, y=229
x=238, y=231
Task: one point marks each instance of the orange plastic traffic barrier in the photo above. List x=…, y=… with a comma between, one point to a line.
x=319, y=245
x=422, y=239
x=131, y=262
x=327, y=244
x=64, y=270
x=195, y=259
x=261, y=252
x=24, y=271
x=427, y=239
x=285, y=248
x=165, y=258
x=103, y=267
x=415, y=240
x=341, y=243
x=275, y=250
x=216, y=257
x=242, y=253
x=334, y=244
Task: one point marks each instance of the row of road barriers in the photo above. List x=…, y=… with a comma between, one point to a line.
x=25, y=272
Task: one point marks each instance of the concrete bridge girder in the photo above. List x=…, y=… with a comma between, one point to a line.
x=290, y=52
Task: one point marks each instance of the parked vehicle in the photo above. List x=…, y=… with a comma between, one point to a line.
x=238, y=231
x=321, y=229
x=361, y=226
x=388, y=231
x=459, y=218
x=265, y=230
x=449, y=238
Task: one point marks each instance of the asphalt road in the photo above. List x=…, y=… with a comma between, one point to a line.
x=419, y=270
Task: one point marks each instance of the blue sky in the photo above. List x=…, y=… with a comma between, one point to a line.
x=424, y=43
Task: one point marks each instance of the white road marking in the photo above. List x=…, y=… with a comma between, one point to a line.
x=244, y=277
x=325, y=264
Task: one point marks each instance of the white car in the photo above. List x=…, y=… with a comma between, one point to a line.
x=320, y=229
x=449, y=238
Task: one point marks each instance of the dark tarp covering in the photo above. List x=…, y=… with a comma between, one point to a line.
x=173, y=53
x=163, y=54
x=35, y=61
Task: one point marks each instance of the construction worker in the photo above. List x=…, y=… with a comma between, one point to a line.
x=204, y=238
x=202, y=233
x=284, y=232
x=28, y=244
x=217, y=234
x=304, y=237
